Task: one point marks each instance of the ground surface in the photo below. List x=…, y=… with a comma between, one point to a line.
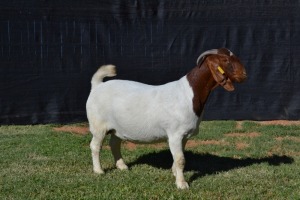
x=84, y=130
x=227, y=160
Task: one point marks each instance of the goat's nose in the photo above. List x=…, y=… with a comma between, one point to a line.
x=244, y=77
x=241, y=77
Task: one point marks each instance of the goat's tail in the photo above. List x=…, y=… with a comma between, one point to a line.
x=103, y=71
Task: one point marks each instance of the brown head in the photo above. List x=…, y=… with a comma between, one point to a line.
x=214, y=67
x=225, y=67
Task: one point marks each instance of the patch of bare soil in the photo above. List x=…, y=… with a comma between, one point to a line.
x=190, y=144
x=291, y=138
x=280, y=122
x=241, y=145
x=194, y=143
x=133, y=146
x=278, y=151
x=250, y=135
x=239, y=125
x=80, y=130
x=130, y=145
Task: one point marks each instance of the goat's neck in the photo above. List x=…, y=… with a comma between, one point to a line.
x=202, y=83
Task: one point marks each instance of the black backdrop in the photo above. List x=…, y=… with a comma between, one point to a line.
x=50, y=49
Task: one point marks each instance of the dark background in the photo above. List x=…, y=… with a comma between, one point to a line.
x=50, y=49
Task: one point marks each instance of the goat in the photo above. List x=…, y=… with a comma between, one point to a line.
x=143, y=113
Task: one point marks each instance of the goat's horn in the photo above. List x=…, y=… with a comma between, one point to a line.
x=202, y=56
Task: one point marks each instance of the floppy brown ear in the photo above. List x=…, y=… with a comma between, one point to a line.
x=219, y=75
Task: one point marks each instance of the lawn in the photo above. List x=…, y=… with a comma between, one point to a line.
x=227, y=160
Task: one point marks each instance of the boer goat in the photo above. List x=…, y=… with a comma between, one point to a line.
x=144, y=113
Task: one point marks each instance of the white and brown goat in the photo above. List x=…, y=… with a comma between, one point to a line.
x=143, y=113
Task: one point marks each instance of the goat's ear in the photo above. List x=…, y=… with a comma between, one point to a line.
x=219, y=76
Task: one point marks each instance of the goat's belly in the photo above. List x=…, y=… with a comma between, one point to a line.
x=142, y=135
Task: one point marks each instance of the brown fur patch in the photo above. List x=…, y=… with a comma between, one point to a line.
x=250, y=135
x=205, y=76
x=201, y=82
x=80, y=130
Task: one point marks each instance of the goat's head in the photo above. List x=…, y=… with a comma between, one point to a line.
x=225, y=67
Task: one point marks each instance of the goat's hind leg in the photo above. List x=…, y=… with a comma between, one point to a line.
x=115, y=145
x=95, y=145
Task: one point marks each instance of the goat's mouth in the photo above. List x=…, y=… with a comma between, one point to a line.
x=239, y=78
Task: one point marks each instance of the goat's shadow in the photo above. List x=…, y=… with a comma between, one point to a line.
x=206, y=164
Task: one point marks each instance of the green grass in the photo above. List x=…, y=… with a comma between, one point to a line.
x=37, y=162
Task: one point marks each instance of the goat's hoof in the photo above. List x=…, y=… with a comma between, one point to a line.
x=122, y=167
x=98, y=171
x=182, y=185
x=120, y=164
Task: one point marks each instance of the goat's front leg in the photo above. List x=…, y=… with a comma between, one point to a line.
x=184, y=141
x=176, y=147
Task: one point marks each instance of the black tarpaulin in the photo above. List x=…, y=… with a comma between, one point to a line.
x=50, y=49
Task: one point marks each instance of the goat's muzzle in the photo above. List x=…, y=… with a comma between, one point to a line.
x=239, y=78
